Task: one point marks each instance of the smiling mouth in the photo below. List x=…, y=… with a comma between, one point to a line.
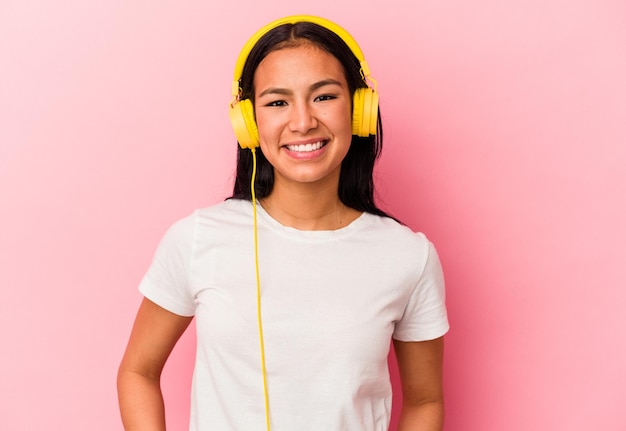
x=306, y=148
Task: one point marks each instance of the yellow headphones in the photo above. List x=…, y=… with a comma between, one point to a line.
x=364, y=104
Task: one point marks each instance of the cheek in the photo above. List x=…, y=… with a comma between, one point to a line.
x=344, y=122
x=265, y=126
x=268, y=134
x=338, y=119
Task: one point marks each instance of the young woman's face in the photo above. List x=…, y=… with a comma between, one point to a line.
x=304, y=114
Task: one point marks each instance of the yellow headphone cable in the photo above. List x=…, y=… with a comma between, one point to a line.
x=258, y=292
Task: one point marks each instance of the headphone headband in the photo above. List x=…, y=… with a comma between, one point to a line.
x=338, y=30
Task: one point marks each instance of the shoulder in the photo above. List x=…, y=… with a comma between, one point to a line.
x=231, y=211
x=399, y=243
x=220, y=222
x=390, y=229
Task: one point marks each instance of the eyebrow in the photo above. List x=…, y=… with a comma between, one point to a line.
x=312, y=87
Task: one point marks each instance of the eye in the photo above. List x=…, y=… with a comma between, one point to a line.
x=277, y=103
x=324, y=98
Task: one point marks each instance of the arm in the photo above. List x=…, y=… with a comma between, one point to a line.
x=152, y=339
x=420, y=365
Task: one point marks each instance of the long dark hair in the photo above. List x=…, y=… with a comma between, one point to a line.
x=356, y=184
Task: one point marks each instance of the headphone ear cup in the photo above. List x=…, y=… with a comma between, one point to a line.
x=357, y=112
x=244, y=125
x=374, y=113
x=364, y=112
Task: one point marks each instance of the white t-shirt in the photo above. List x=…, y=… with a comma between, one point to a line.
x=331, y=302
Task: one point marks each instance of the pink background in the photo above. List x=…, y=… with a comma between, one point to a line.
x=505, y=143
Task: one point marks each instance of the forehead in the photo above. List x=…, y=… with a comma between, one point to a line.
x=298, y=64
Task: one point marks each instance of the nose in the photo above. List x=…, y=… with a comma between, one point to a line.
x=302, y=118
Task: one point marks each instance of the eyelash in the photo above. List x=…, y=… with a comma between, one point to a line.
x=325, y=97
x=277, y=103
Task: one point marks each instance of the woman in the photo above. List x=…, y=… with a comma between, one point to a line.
x=299, y=340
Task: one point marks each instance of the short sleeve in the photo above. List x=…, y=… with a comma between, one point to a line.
x=166, y=283
x=425, y=316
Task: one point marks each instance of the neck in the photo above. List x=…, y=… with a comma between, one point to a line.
x=309, y=207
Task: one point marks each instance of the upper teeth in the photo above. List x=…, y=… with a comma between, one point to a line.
x=305, y=147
